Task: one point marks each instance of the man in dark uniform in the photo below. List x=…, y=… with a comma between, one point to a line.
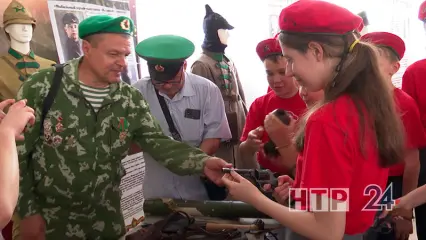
x=72, y=47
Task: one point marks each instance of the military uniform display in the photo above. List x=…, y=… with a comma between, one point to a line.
x=192, y=113
x=70, y=165
x=218, y=68
x=16, y=67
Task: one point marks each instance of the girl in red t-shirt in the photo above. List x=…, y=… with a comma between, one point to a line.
x=346, y=142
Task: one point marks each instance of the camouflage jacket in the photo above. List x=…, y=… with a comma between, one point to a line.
x=78, y=158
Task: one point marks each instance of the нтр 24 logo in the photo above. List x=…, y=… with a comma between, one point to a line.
x=379, y=200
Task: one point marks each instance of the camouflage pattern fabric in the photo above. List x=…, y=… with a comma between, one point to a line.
x=71, y=174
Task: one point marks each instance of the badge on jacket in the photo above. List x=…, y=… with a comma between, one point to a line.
x=123, y=126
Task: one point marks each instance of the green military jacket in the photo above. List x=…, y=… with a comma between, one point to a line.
x=78, y=158
x=15, y=68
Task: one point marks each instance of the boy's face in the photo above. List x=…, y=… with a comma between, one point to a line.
x=279, y=82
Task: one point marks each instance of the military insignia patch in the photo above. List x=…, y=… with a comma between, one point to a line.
x=57, y=140
x=122, y=136
x=125, y=24
x=123, y=124
x=47, y=129
x=159, y=68
x=266, y=49
x=19, y=9
x=59, y=127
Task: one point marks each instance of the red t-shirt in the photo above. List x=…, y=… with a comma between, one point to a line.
x=413, y=83
x=332, y=158
x=269, y=89
x=414, y=132
x=261, y=107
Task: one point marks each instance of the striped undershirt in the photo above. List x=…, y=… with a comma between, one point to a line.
x=95, y=96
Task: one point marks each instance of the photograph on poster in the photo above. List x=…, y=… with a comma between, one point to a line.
x=70, y=42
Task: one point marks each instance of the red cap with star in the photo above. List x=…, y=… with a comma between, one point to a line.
x=268, y=48
x=315, y=16
x=422, y=11
x=390, y=40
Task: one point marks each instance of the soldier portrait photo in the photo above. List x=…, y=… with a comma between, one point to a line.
x=67, y=23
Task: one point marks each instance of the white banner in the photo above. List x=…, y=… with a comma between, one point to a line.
x=132, y=188
x=66, y=35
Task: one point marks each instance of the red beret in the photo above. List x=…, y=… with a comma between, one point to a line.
x=386, y=39
x=314, y=16
x=422, y=11
x=361, y=26
x=267, y=48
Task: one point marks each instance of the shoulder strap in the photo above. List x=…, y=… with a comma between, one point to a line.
x=175, y=134
x=50, y=98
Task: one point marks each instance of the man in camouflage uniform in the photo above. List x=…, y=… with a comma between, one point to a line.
x=71, y=170
x=16, y=66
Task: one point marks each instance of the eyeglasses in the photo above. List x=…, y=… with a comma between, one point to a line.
x=164, y=83
x=160, y=84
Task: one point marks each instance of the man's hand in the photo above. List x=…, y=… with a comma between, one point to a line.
x=33, y=228
x=18, y=116
x=213, y=169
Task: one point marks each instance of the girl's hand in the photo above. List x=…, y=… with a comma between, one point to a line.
x=240, y=189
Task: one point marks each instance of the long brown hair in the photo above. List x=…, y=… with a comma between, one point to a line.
x=360, y=78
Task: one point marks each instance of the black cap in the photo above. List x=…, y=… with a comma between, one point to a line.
x=363, y=15
x=214, y=21
x=69, y=18
x=164, y=72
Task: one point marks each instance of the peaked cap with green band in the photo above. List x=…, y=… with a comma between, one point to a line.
x=165, y=55
x=105, y=24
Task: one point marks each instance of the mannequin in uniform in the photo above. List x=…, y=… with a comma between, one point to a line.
x=215, y=66
x=20, y=62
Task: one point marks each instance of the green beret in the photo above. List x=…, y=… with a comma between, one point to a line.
x=105, y=24
x=165, y=55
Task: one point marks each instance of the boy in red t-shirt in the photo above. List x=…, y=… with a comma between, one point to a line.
x=284, y=95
